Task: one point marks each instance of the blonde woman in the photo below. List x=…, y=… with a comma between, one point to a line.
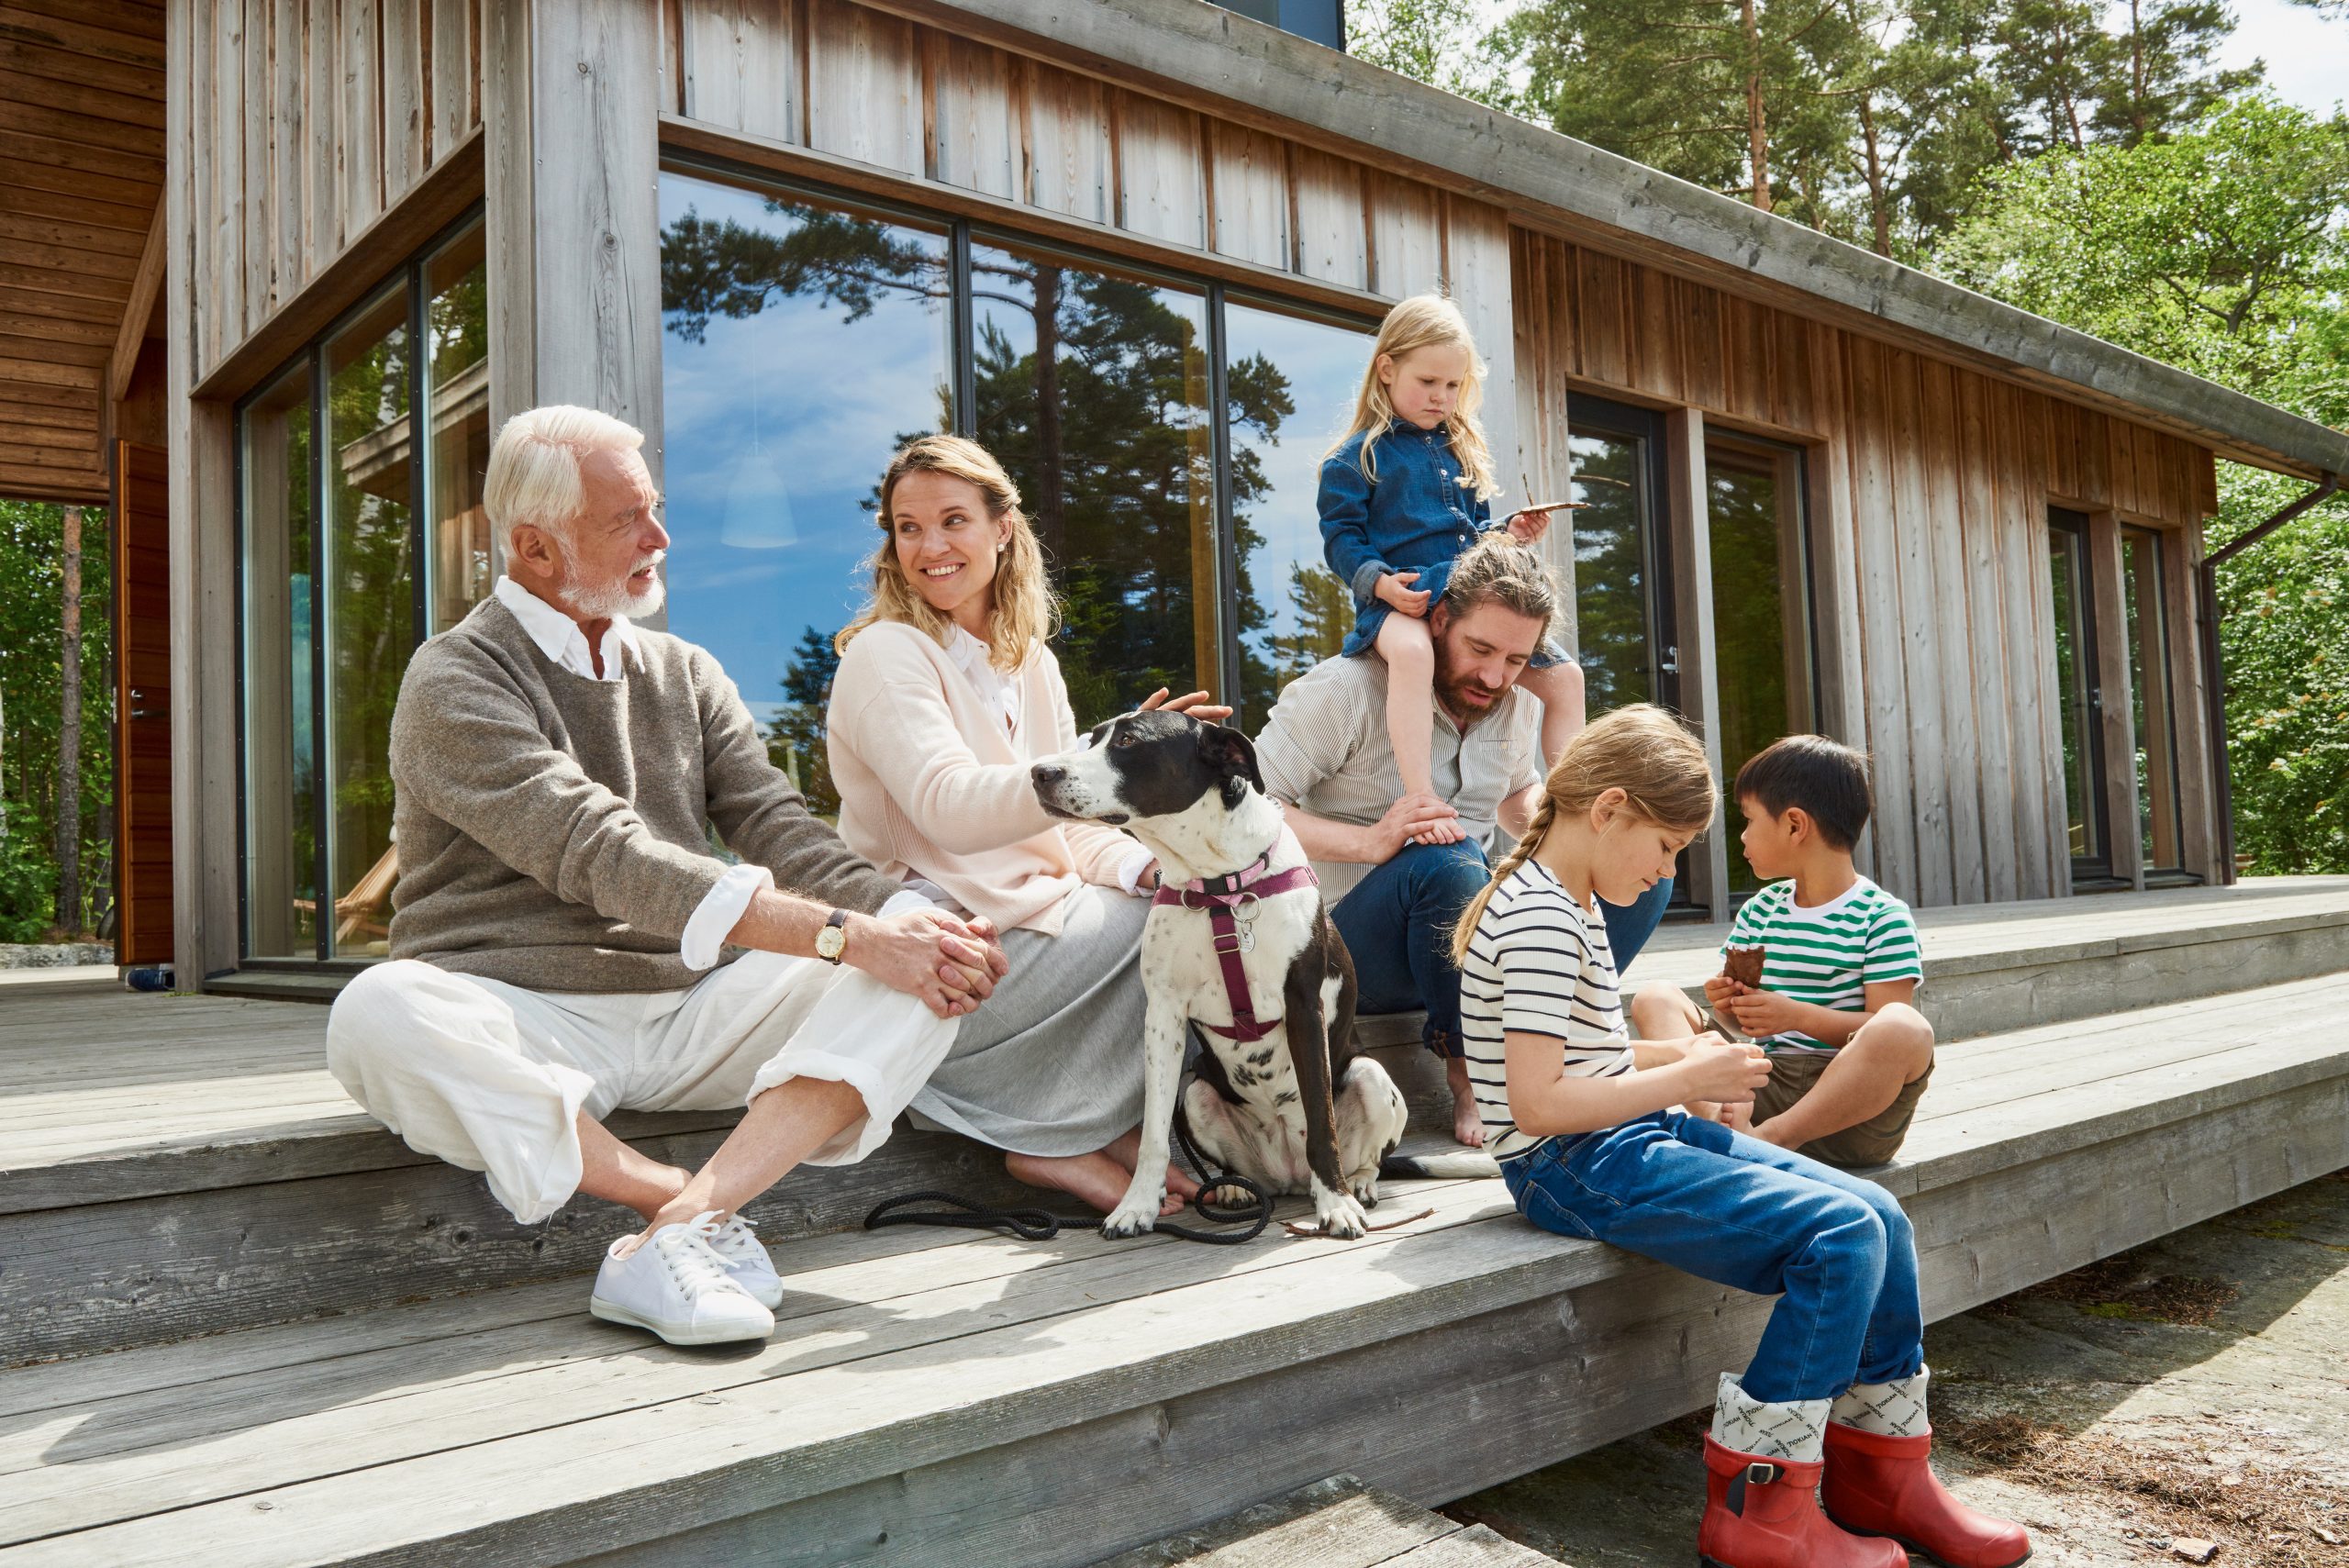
x=947, y=692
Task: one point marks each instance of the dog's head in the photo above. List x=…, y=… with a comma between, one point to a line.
x=1144, y=766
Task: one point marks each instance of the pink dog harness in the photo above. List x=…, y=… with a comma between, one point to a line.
x=1231, y=903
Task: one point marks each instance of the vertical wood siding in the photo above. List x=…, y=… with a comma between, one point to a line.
x=1929, y=487
x=312, y=119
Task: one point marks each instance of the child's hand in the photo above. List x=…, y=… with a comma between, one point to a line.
x=1395, y=590
x=1718, y=991
x=1527, y=527
x=1762, y=1012
x=1720, y=1070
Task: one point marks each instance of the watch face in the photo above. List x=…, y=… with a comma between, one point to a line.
x=830, y=941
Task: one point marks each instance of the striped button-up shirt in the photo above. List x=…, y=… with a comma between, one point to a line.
x=1325, y=748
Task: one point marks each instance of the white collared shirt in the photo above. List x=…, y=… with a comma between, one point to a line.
x=560, y=639
x=721, y=908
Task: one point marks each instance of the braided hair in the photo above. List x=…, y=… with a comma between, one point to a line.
x=1643, y=750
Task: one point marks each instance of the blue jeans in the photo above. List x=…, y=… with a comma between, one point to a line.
x=1739, y=1212
x=1397, y=925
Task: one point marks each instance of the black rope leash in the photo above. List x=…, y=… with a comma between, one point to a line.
x=1042, y=1225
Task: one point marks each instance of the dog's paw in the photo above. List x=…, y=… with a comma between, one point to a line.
x=1230, y=1197
x=1131, y=1218
x=1341, y=1213
x=1364, y=1184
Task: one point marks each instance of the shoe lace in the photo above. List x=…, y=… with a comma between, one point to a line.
x=688, y=1252
x=738, y=1241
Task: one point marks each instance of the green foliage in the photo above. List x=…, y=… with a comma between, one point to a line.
x=31, y=666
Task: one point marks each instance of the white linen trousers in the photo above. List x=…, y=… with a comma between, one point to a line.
x=491, y=1077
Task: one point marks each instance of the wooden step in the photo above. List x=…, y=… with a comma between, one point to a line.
x=174, y=1165
x=944, y=1398
x=1337, y=1523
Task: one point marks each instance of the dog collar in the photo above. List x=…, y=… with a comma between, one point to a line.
x=1224, y=898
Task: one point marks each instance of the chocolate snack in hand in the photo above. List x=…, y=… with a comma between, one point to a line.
x=1744, y=966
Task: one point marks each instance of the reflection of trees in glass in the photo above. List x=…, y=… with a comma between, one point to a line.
x=370, y=574
x=1749, y=625
x=1611, y=572
x=796, y=734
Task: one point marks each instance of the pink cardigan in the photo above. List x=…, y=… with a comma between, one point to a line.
x=931, y=784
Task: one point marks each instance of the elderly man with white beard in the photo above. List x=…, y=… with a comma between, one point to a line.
x=560, y=920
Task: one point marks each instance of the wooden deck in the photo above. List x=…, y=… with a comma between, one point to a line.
x=933, y=1397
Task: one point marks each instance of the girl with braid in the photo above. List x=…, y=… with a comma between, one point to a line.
x=1586, y=1125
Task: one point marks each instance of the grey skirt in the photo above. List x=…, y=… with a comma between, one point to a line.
x=1050, y=1064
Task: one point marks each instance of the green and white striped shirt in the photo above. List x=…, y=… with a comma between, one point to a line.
x=1829, y=953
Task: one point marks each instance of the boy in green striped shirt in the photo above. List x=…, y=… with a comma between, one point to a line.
x=1835, y=1008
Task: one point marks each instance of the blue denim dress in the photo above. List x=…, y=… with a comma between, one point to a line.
x=1419, y=515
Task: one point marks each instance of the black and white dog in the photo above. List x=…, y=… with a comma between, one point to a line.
x=1238, y=944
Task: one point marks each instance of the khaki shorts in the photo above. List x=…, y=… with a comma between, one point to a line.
x=1872, y=1142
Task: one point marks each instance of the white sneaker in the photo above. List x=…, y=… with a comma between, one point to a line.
x=747, y=1263
x=675, y=1284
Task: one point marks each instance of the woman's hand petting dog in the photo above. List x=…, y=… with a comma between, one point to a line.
x=1196, y=704
x=903, y=952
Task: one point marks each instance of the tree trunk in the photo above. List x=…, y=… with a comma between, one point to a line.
x=1877, y=208
x=1050, y=519
x=69, y=736
x=2136, y=73
x=1757, y=135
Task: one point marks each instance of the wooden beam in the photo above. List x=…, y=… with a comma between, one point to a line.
x=144, y=288
x=1692, y=590
x=438, y=199
x=2117, y=714
x=19, y=483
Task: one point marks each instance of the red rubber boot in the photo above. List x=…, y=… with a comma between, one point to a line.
x=1883, y=1486
x=1763, y=1513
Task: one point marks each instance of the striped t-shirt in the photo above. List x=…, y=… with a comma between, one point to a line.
x=1829, y=953
x=1538, y=962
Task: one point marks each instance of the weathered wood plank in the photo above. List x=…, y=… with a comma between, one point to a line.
x=1693, y=566
x=1920, y=657
x=1328, y=218
x=1251, y=176
x=1069, y=161
x=1893, y=827
x=864, y=87
x=1985, y=635
x=1476, y=252
x=1337, y=1523
x=359, y=117
x=455, y=74
x=976, y=141
x=1835, y=554
x=1406, y=235
x=742, y=66
x=407, y=106
x=1162, y=170
x=2196, y=787
x=1938, y=458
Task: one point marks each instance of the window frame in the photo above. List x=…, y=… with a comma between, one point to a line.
x=410, y=275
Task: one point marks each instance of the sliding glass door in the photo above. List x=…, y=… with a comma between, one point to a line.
x=1623, y=614
x=2080, y=695
x=1761, y=593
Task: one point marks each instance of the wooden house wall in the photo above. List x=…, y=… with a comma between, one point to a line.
x=311, y=120
x=1929, y=491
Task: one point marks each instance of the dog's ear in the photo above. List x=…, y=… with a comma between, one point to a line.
x=1233, y=757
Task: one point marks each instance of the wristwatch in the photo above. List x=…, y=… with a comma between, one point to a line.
x=832, y=941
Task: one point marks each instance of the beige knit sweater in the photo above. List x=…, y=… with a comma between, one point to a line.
x=553, y=830
x=931, y=784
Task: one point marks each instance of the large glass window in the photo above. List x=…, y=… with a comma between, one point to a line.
x=1623, y=623
x=1289, y=391
x=2082, y=703
x=1753, y=518
x=1095, y=382
x=281, y=750
x=342, y=578
x=1091, y=386
x=2150, y=700
x=805, y=342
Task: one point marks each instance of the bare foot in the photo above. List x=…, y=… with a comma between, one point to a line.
x=1095, y=1178
x=1467, y=1118
x=1125, y=1149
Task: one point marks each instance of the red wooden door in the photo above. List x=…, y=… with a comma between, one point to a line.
x=142, y=706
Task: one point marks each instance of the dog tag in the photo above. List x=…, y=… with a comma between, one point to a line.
x=1247, y=939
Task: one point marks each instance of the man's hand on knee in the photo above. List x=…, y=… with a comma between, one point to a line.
x=951, y=964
